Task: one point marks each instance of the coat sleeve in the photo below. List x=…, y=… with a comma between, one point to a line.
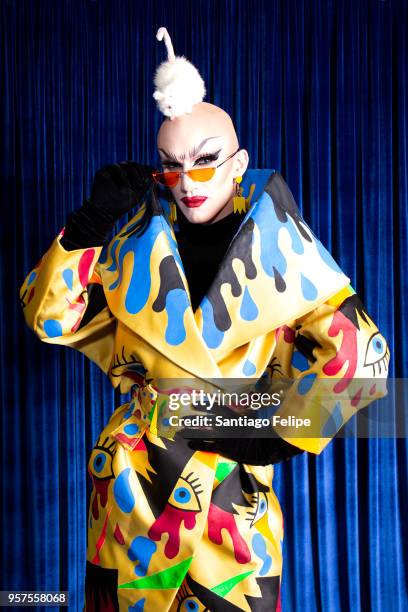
x=337, y=363
x=64, y=303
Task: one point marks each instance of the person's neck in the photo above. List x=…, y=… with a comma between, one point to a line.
x=221, y=214
x=206, y=233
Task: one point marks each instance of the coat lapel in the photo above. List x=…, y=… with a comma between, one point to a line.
x=275, y=270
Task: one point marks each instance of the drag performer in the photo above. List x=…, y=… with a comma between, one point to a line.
x=211, y=279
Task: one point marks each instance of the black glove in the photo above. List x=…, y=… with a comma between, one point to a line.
x=115, y=190
x=249, y=450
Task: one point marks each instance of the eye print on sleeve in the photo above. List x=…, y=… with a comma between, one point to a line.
x=377, y=354
x=185, y=495
x=100, y=469
x=259, y=509
x=191, y=604
x=100, y=462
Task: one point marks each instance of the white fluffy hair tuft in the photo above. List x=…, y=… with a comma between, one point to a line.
x=178, y=83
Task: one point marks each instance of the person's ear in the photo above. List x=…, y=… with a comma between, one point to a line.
x=241, y=162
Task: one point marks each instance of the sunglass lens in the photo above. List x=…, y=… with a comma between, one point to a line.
x=169, y=179
x=202, y=174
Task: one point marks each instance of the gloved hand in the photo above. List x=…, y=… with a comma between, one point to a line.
x=115, y=190
x=249, y=450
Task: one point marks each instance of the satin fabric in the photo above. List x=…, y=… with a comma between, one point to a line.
x=141, y=329
x=316, y=89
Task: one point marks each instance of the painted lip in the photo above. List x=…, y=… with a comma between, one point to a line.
x=194, y=202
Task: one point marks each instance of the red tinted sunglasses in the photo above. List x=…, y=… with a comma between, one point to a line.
x=171, y=178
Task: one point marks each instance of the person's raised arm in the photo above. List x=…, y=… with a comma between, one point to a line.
x=62, y=297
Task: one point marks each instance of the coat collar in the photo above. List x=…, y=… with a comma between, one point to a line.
x=274, y=270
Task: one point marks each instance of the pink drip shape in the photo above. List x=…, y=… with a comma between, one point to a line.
x=169, y=522
x=347, y=351
x=101, y=489
x=219, y=519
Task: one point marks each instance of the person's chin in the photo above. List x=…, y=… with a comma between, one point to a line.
x=200, y=214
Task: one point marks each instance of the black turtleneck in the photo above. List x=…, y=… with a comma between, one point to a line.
x=202, y=248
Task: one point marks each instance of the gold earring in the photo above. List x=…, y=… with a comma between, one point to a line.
x=238, y=200
x=173, y=212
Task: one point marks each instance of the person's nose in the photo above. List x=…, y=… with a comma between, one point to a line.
x=186, y=183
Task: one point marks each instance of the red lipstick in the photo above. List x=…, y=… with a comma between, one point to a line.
x=194, y=202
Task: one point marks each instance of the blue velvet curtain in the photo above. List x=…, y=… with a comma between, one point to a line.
x=318, y=90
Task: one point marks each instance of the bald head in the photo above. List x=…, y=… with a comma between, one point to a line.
x=207, y=123
x=204, y=138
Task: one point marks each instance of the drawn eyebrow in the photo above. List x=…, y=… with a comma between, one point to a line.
x=192, y=153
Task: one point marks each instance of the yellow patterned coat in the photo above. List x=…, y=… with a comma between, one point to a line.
x=171, y=528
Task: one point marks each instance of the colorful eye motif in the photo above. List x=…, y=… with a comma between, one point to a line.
x=100, y=462
x=185, y=495
x=191, y=604
x=377, y=354
x=259, y=510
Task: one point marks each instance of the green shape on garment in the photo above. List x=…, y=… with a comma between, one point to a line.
x=161, y=408
x=225, y=587
x=223, y=470
x=152, y=411
x=170, y=578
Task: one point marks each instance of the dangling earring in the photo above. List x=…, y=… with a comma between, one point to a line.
x=173, y=212
x=238, y=200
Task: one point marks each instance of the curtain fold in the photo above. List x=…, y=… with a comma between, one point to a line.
x=318, y=91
